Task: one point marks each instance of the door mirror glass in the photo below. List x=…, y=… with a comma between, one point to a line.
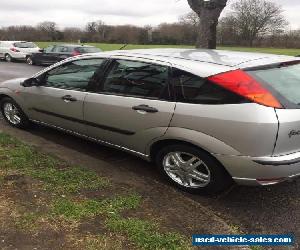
x=30, y=82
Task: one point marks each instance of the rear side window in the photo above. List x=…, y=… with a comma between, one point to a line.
x=59, y=49
x=87, y=50
x=140, y=79
x=190, y=88
x=283, y=81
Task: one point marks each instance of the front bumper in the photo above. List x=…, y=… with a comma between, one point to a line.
x=262, y=170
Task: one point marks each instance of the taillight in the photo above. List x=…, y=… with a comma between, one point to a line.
x=14, y=50
x=241, y=83
x=76, y=53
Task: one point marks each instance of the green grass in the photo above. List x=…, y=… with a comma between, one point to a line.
x=62, y=185
x=73, y=210
x=55, y=174
x=107, y=47
x=146, y=235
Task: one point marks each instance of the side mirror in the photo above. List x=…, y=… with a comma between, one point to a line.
x=30, y=82
x=41, y=50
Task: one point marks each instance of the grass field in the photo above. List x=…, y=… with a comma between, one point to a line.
x=49, y=203
x=107, y=47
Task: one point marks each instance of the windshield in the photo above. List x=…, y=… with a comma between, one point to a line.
x=25, y=45
x=88, y=50
x=285, y=80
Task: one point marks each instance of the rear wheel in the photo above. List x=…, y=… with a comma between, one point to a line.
x=13, y=114
x=8, y=58
x=29, y=60
x=192, y=169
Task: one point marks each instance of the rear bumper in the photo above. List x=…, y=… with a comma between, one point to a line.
x=262, y=170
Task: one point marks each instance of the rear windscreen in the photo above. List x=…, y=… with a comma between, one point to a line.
x=285, y=80
x=25, y=45
x=88, y=50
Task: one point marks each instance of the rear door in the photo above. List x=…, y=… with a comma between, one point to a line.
x=284, y=82
x=46, y=56
x=61, y=52
x=133, y=106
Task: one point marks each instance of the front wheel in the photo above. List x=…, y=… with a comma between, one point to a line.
x=192, y=169
x=13, y=114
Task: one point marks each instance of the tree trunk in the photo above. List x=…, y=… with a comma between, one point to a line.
x=209, y=13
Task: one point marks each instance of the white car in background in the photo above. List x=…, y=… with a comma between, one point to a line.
x=17, y=50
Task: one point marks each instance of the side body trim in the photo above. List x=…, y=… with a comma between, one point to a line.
x=112, y=129
x=144, y=156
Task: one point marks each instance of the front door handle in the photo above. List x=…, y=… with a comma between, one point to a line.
x=69, y=98
x=145, y=108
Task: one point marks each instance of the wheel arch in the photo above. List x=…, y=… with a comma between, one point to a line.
x=2, y=96
x=158, y=145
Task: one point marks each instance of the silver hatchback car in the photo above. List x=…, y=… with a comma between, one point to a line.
x=206, y=117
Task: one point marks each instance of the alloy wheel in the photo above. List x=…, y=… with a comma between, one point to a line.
x=11, y=113
x=8, y=58
x=29, y=60
x=186, y=169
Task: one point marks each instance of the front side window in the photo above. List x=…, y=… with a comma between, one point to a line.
x=75, y=75
x=190, y=88
x=138, y=79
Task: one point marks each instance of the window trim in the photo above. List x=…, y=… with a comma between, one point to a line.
x=113, y=59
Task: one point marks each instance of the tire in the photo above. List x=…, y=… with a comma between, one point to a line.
x=17, y=118
x=29, y=60
x=8, y=58
x=212, y=177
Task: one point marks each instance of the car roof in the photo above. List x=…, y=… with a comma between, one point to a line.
x=201, y=62
x=13, y=41
x=73, y=45
x=219, y=57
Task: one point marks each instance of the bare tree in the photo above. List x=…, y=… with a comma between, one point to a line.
x=190, y=18
x=209, y=12
x=253, y=18
x=49, y=30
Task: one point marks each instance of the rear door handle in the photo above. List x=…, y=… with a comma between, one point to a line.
x=69, y=98
x=145, y=108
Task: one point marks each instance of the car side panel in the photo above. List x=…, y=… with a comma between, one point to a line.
x=250, y=129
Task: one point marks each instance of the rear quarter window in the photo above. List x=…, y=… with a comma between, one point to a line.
x=190, y=88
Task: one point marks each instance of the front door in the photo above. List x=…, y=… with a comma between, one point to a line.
x=133, y=105
x=60, y=99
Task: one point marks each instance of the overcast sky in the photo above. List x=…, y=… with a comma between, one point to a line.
x=77, y=13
